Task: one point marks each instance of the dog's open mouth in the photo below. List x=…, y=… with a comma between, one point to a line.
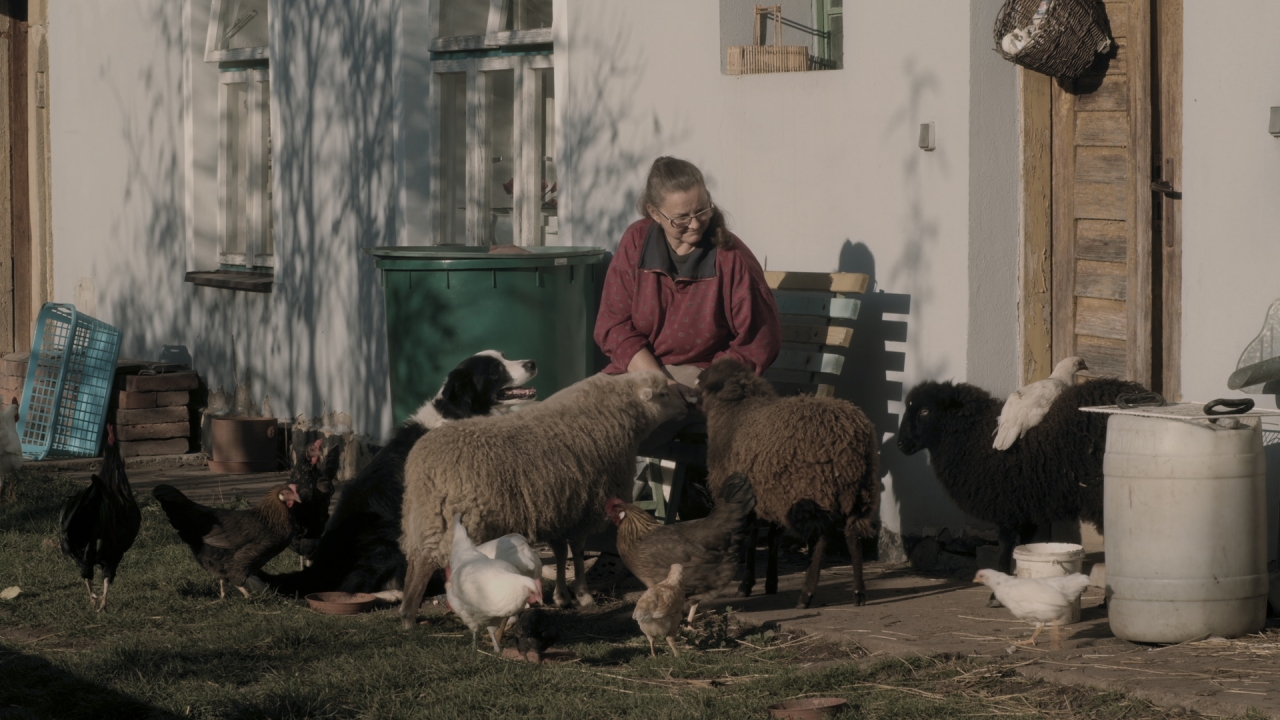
x=517, y=393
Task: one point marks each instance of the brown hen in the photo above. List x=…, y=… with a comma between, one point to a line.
x=707, y=548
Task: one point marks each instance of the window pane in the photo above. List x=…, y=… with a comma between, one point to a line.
x=545, y=136
x=532, y=14
x=453, y=158
x=243, y=24
x=267, y=244
x=463, y=17
x=236, y=174
x=500, y=127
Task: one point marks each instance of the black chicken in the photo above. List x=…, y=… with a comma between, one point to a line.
x=99, y=523
x=232, y=544
x=314, y=477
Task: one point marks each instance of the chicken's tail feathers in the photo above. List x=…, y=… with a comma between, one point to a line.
x=737, y=496
x=1006, y=434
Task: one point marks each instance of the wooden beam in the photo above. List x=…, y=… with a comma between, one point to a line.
x=1170, y=74
x=1036, y=308
x=1139, y=290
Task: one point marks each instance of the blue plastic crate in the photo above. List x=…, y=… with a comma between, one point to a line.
x=69, y=381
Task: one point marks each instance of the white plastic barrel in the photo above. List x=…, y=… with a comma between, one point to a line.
x=1038, y=560
x=1185, y=514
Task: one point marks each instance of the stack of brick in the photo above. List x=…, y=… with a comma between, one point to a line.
x=13, y=376
x=153, y=415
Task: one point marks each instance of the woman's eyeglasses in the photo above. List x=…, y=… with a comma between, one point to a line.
x=682, y=222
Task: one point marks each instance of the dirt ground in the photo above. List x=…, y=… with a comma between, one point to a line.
x=909, y=613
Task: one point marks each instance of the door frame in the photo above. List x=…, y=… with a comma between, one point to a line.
x=1156, y=271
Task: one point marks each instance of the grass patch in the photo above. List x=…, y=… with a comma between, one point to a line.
x=167, y=647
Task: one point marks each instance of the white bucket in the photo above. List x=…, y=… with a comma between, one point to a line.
x=1039, y=560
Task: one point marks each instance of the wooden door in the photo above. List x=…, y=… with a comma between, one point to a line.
x=15, y=208
x=1104, y=236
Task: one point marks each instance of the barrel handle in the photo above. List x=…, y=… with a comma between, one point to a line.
x=1228, y=406
x=1128, y=401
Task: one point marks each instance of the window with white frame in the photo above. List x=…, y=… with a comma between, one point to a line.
x=244, y=170
x=492, y=106
x=237, y=41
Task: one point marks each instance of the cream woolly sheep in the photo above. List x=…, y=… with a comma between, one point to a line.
x=812, y=462
x=543, y=472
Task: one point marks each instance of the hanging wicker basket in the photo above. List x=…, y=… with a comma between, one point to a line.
x=1060, y=38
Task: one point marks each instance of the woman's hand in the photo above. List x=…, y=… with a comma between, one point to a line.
x=689, y=394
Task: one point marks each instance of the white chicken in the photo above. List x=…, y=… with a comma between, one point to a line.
x=1043, y=601
x=10, y=443
x=660, y=609
x=516, y=550
x=485, y=592
x=1027, y=405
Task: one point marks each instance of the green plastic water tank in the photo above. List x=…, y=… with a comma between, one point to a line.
x=445, y=303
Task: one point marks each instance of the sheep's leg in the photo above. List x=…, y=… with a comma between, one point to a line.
x=749, y=556
x=561, y=550
x=417, y=574
x=771, y=570
x=854, y=539
x=811, y=577
x=580, y=590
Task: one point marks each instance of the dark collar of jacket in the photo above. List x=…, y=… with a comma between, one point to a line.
x=656, y=256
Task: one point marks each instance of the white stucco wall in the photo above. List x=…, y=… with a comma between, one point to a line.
x=1230, y=182
x=122, y=162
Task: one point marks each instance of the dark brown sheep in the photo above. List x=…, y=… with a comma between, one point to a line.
x=813, y=464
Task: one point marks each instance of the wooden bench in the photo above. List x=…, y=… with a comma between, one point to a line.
x=818, y=311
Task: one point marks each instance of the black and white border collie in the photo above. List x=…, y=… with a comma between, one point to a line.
x=360, y=548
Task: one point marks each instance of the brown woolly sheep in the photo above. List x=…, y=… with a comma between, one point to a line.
x=543, y=472
x=812, y=462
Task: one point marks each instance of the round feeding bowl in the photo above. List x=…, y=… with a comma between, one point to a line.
x=340, y=603
x=808, y=708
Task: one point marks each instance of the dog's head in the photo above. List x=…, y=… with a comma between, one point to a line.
x=482, y=382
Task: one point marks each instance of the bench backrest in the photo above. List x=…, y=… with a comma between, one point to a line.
x=818, y=310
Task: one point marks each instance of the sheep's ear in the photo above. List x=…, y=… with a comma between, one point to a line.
x=646, y=394
x=733, y=391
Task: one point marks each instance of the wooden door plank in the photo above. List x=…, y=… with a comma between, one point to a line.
x=1103, y=128
x=1104, y=240
x=1118, y=17
x=7, y=291
x=1102, y=318
x=1139, y=290
x=1037, y=225
x=1105, y=357
x=1101, y=165
x=1098, y=201
x=1112, y=95
x=1064, y=223
x=1102, y=279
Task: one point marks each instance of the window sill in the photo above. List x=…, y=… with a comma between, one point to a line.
x=233, y=280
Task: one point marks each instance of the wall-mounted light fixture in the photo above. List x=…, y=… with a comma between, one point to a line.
x=1274, y=127
x=926, y=136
